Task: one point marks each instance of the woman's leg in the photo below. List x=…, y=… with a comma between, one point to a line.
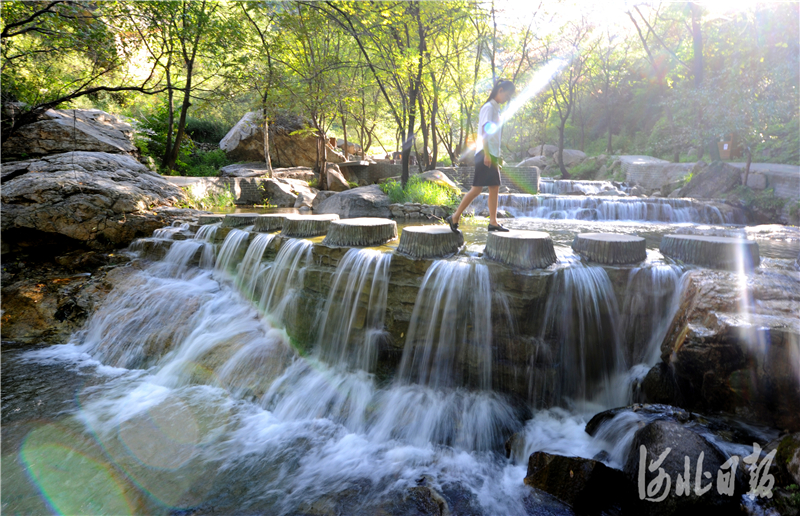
x=493, y=191
x=468, y=198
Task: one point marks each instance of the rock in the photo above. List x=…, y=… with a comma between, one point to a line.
x=536, y=161
x=245, y=141
x=209, y=219
x=713, y=181
x=676, y=194
x=543, y=150
x=321, y=196
x=440, y=178
x=571, y=157
x=305, y=200
x=239, y=220
x=523, y=249
x=279, y=192
x=733, y=345
x=691, y=153
x=103, y=200
x=352, y=148
x=725, y=253
x=610, y=248
x=336, y=181
x=656, y=437
x=788, y=459
x=637, y=191
x=251, y=169
x=587, y=485
x=364, y=231
x=364, y=201
x=94, y=131
x=756, y=181
x=302, y=173
x=268, y=222
x=429, y=241
x=672, y=186
x=302, y=226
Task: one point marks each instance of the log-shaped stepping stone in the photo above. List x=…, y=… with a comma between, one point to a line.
x=301, y=226
x=725, y=253
x=429, y=241
x=610, y=248
x=362, y=231
x=269, y=222
x=523, y=249
x=209, y=219
x=238, y=220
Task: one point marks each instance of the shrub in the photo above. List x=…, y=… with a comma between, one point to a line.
x=209, y=201
x=206, y=131
x=420, y=191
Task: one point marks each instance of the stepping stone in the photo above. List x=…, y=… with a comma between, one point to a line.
x=429, y=241
x=269, y=222
x=307, y=225
x=238, y=220
x=523, y=249
x=363, y=231
x=610, y=248
x=725, y=253
x=209, y=219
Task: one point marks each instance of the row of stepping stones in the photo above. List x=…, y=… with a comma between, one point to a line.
x=518, y=248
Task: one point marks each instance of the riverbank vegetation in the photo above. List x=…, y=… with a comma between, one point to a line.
x=669, y=80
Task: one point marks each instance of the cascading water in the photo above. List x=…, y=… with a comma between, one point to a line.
x=351, y=322
x=206, y=234
x=251, y=268
x=231, y=251
x=561, y=187
x=284, y=278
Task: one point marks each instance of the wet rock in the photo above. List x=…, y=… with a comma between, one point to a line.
x=238, y=220
x=733, y=346
x=712, y=181
x=717, y=252
x=648, y=411
x=365, y=231
x=680, y=494
x=587, y=485
x=104, y=200
x=301, y=226
x=245, y=141
x=429, y=241
x=364, y=201
x=268, y=222
x=210, y=219
x=414, y=501
x=66, y=130
x=788, y=459
x=610, y=248
x=523, y=249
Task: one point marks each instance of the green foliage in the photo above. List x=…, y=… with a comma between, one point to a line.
x=420, y=191
x=206, y=131
x=763, y=200
x=211, y=200
x=586, y=170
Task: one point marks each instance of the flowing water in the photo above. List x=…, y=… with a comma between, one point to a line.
x=185, y=395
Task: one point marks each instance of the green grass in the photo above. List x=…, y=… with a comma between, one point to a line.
x=210, y=201
x=420, y=191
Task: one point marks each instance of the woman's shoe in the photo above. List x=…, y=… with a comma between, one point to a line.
x=498, y=227
x=453, y=225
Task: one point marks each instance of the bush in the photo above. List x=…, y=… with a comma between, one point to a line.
x=206, y=131
x=212, y=200
x=420, y=191
x=764, y=200
x=586, y=170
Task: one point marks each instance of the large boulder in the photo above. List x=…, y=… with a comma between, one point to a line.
x=571, y=157
x=250, y=169
x=65, y=130
x=440, y=178
x=543, y=150
x=712, y=181
x=102, y=200
x=733, y=346
x=352, y=148
x=364, y=201
x=536, y=161
x=336, y=181
x=245, y=141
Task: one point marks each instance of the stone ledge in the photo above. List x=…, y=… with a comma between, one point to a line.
x=610, y=248
x=725, y=253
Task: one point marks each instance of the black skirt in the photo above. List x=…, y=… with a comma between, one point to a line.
x=486, y=176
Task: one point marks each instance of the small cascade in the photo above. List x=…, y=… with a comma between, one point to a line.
x=568, y=186
x=605, y=208
x=169, y=232
x=449, y=341
x=284, y=278
x=206, y=234
x=650, y=302
x=232, y=249
x=580, y=323
x=251, y=267
x=351, y=322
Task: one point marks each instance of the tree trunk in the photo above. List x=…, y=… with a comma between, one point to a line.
x=170, y=123
x=267, y=158
x=747, y=165
x=344, y=134
x=434, y=110
x=187, y=102
x=564, y=173
x=425, y=161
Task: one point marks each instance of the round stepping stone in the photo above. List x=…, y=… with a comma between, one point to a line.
x=209, y=219
x=269, y=222
x=523, y=249
x=714, y=252
x=610, y=248
x=429, y=241
x=307, y=225
x=238, y=220
x=362, y=231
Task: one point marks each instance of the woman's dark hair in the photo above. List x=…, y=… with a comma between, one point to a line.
x=501, y=85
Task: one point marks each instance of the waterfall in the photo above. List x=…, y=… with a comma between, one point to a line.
x=567, y=186
x=284, y=278
x=449, y=341
x=580, y=321
x=231, y=251
x=251, y=266
x=206, y=234
x=351, y=322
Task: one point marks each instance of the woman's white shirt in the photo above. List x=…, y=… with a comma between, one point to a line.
x=490, y=114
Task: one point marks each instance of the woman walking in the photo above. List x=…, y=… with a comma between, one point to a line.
x=487, y=161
